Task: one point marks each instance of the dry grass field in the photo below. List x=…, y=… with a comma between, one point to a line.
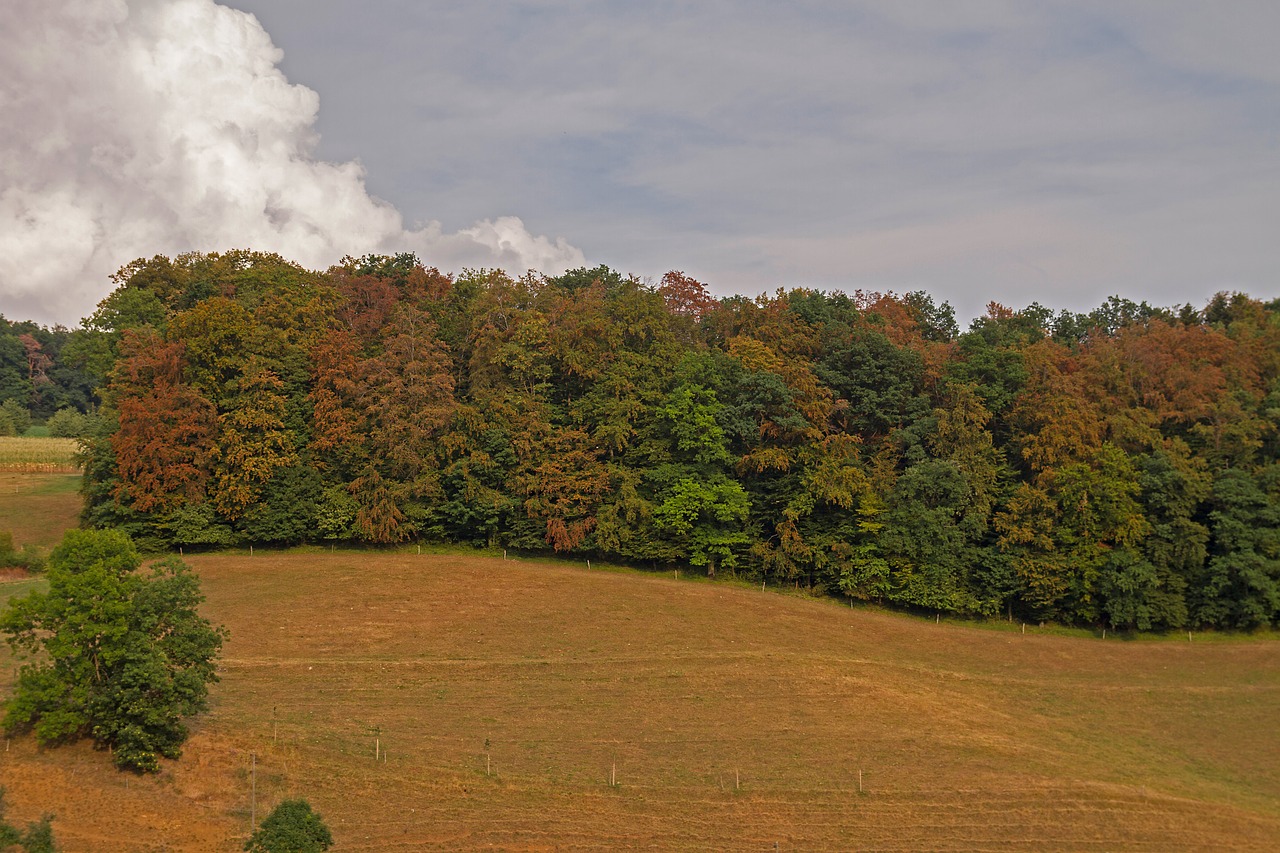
x=504, y=697
x=736, y=721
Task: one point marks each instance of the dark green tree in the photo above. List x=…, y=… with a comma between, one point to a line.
x=924, y=537
x=292, y=827
x=881, y=383
x=121, y=656
x=1241, y=586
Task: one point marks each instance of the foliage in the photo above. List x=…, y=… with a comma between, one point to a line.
x=120, y=655
x=292, y=827
x=28, y=557
x=16, y=417
x=1108, y=468
x=69, y=423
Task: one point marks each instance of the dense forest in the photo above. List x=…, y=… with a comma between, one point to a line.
x=1116, y=468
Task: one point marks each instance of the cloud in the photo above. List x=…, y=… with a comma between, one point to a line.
x=163, y=126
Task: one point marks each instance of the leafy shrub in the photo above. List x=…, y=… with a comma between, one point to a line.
x=37, y=839
x=28, y=558
x=292, y=827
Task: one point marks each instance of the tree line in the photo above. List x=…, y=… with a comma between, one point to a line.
x=1115, y=468
x=40, y=379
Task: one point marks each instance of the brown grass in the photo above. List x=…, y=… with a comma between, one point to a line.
x=736, y=720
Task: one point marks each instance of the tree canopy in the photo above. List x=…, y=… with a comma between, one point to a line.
x=1114, y=468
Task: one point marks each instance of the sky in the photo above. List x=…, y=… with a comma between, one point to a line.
x=979, y=150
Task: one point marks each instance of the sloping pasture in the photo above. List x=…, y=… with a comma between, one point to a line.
x=462, y=703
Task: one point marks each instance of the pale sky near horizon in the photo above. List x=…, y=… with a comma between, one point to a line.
x=1057, y=152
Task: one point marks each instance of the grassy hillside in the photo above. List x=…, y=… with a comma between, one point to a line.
x=502, y=697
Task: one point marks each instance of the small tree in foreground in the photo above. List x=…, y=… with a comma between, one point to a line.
x=121, y=655
x=292, y=827
x=37, y=839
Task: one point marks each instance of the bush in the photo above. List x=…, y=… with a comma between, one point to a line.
x=292, y=827
x=37, y=839
x=67, y=423
x=28, y=558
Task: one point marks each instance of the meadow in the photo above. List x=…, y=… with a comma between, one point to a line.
x=463, y=702
x=38, y=507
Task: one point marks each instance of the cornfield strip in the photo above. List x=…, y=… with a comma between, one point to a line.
x=38, y=455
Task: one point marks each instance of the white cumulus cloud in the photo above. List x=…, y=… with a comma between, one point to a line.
x=141, y=127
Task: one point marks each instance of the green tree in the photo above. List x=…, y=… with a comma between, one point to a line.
x=991, y=359
x=14, y=382
x=475, y=460
x=292, y=827
x=69, y=423
x=1100, y=513
x=1131, y=591
x=125, y=656
x=1241, y=584
x=253, y=441
x=288, y=510
x=18, y=414
x=924, y=537
x=881, y=383
x=707, y=518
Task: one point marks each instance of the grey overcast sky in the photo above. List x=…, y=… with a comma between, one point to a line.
x=980, y=150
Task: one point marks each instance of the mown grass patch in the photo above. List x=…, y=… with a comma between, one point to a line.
x=38, y=508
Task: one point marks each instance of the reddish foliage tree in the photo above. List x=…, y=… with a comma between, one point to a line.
x=335, y=392
x=38, y=361
x=685, y=296
x=167, y=429
x=407, y=396
x=566, y=488
x=369, y=301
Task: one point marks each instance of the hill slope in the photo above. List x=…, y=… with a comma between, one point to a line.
x=733, y=720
